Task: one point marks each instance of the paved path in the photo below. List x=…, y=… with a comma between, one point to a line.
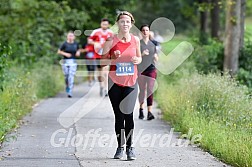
x=49, y=137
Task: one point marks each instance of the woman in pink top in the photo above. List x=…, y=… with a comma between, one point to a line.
x=124, y=51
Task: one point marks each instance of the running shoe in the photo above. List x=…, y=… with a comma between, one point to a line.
x=119, y=153
x=130, y=152
x=150, y=116
x=141, y=115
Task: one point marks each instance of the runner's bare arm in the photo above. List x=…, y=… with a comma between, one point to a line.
x=91, y=41
x=77, y=54
x=155, y=57
x=138, y=58
x=64, y=53
x=83, y=50
x=105, y=53
x=96, y=44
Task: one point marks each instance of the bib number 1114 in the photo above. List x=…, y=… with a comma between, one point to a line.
x=123, y=69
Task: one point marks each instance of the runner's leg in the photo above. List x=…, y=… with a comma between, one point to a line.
x=72, y=71
x=105, y=72
x=65, y=70
x=115, y=98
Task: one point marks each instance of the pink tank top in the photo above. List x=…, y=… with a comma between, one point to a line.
x=128, y=50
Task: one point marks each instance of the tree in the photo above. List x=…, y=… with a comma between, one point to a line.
x=242, y=23
x=182, y=13
x=35, y=28
x=233, y=34
x=204, y=7
x=215, y=19
x=96, y=10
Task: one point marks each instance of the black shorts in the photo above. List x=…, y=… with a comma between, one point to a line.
x=98, y=63
x=91, y=67
x=91, y=64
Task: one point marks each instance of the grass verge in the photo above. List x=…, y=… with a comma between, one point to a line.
x=215, y=107
x=22, y=89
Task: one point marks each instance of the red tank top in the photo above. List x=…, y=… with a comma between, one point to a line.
x=128, y=50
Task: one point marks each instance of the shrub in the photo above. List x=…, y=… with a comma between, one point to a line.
x=209, y=58
x=22, y=89
x=216, y=107
x=245, y=66
x=5, y=51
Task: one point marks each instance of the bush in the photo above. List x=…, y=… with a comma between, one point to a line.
x=5, y=51
x=22, y=89
x=16, y=100
x=34, y=28
x=209, y=58
x=245, y=66
x=50, y=78
x=214, y=106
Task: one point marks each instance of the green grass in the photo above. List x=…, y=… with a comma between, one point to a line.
x=167, y=47
x=23, y=89
x=248, y=28
x=216, y=108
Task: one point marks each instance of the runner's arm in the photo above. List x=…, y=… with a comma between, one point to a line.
x=60, y=52
x=106, y=52
x=91, y=41
x=155, y=57
x=83, y=50
x=77, y=54
x=138, y=58
x=156, y=54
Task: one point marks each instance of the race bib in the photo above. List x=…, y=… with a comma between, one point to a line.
x=124, y=69
x=90, y=55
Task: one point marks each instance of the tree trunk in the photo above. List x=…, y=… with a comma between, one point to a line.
x=215, y=19
x=232, y=36
x=203, y=23
x=243, y=11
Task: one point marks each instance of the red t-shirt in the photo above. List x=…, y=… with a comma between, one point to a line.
x=90, y=51
x=89, y=48
x=100, y=35
x=128, y=50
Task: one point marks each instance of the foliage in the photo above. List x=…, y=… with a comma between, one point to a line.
x=23, y=89
x=249, y=8
x=216, y=107
x=248, y=29
x=96, y=10
x=54, y=79
x=208, y=58
x=182, y=13
x=245, y=69
x=34, y=28
x=5, y=51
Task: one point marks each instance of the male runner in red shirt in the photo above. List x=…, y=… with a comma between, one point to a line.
x=97, y=39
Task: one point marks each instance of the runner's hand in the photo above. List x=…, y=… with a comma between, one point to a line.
x=135, y=60
x=97, y=46
x=117, y=54
x=77, y=53
x=145, y=52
